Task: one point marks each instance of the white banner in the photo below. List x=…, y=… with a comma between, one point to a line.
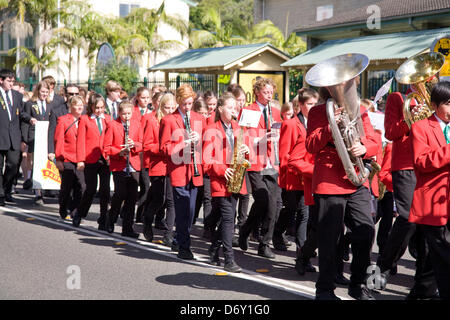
x=45, y=173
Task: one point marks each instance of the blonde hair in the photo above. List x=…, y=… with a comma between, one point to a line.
x=124, y=105
x=41, y=84
x=166, y=98
x=74, y=100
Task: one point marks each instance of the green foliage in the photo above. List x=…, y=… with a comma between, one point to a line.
x=124, y=74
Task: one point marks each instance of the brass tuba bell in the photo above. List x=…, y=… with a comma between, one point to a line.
x=419, y=72
x=338, y=75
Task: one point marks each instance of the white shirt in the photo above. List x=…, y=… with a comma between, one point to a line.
x=262, y=107
x=113, y=107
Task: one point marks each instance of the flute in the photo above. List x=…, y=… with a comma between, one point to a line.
x=188, y=129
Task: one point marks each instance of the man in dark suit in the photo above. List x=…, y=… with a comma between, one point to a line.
x=58, y=109
x=11, y=114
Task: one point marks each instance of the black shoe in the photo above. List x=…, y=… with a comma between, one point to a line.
x=62, y=212
x=309, y=267
x=27, y=184
x=147, y=231
x=303, y=266
x=109, y=225
x=243, y=242
x=214, y=256
x=264, y=251
x=160, y=225
x=327, y=295
x=232, y=267
x=340, y=279
x=130, y=234
x=360, y=292
x=76, y=220
x=102, y=227
x=2, y=201
x=10, y=199
x=415, y=295
x=185, y=254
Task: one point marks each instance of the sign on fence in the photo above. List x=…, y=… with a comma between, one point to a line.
x=45, y=173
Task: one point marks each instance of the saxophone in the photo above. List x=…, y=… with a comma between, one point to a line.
x=239, y=165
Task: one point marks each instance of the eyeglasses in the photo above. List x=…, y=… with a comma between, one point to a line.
x=72, y=93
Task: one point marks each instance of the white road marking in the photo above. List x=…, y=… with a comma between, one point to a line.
x=297, y=289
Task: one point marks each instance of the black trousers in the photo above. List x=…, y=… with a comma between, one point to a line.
x=72, y=187
x=385, y=217
x=294, y=212
x=265, y=192
x=160, y=198
x=204, y=199
x=438, y=239
x=125, y=192
x=10, y=161
x=92, y=171
x=144, y=186
x=333, y=211
x=404, y=182
x=226, y=206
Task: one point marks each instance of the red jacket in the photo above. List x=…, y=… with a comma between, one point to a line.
x=217, y=157
x=397, y=131
x=136, y=115
x=296, y=164
x=90, y=142
x=329, y=176
x=431, y=154
x=66, y=142
x=385, y=174
x=154, y=159
x=179, y=160
x=115, y=138
x=259, y=154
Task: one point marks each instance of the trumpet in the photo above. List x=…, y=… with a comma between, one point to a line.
x=188, y=129
x=420, y=72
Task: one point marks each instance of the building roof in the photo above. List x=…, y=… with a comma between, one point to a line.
x=389, y=9
x=379, y=47
x=215, y=59
x=190, y=3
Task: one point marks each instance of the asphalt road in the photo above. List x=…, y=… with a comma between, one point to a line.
x=46, y=258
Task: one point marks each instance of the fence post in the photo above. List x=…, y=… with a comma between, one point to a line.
x=31, y=84
x=145, y=82
x=178, y=81
x=89, y=84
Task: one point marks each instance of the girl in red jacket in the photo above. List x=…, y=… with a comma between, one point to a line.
x=160, y=195
x=66, y=157
x=91, y=160
x=218, y=154
x=125, y=165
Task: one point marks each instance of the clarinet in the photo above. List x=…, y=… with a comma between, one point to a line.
x=127, y=129
x=188, y=129
x=275, y=144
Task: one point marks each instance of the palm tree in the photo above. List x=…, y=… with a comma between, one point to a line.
x=17, y=27
x=144, y=24
x=219, y=36
x=268, y=32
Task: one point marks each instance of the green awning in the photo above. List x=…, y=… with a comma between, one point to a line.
x=380, y=47
x=215, y=59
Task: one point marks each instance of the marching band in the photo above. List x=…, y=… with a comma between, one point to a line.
x=308, y=167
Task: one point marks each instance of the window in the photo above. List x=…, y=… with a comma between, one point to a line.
x=125, y=9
